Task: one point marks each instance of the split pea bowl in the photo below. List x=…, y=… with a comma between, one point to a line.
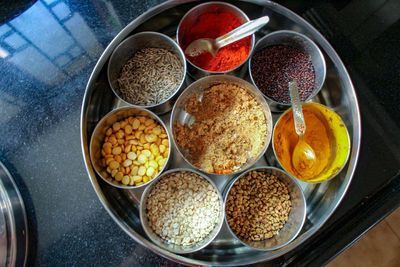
x=100, y=133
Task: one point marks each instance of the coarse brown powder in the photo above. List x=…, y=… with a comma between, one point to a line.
x=230, y=128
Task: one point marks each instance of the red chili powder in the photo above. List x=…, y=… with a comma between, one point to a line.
x=213, y=25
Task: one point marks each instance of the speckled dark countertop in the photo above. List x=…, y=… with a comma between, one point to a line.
x=47, y=53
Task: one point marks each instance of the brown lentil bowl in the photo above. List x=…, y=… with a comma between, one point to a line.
x=296, y=217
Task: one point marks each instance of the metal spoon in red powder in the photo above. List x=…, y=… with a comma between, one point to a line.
x=208, y=45
x=213, y=25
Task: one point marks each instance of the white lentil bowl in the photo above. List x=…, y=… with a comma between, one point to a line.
x=170, y=246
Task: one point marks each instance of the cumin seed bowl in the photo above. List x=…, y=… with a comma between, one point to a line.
x=182, y=118
x=98, y=139
x=296, y=218
x=168, y=245
x=127, y=49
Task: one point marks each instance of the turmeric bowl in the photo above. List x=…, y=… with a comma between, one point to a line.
x=325, y=132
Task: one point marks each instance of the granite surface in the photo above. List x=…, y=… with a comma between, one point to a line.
x=47, y=53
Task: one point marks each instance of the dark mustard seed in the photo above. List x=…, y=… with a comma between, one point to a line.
x=275, y=66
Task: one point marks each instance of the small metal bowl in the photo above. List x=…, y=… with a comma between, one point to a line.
x=173, y=247
x=297, y=213
x=302, y=42
x=126, y=50
x=99, y=133
x=338, y=136
x=190, y=18
x=197, y=88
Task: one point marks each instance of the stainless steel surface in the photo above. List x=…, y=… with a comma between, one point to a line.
x=302, y=42
x=172, y=247
x=207, y=45
x=126, y=50
x=13, y=222
x=179, y=114
x=297, y=213
x=99, y=134
x=191, y=17
x=298, y=116
x=322, y=199
x=303, y=157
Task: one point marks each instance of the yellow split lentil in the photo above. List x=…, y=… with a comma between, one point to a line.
x=134, y=150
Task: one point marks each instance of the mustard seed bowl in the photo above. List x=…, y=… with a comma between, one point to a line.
x=296, y=218
x=295, y=40
x=179, y=249
x=99, y=135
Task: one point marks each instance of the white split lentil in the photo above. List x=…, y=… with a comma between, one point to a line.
x=183, y=208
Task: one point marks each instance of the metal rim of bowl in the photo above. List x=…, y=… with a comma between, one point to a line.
x=294, y=176
x=294, y=181
x=311, y=42
x=267, y=118
x=224, y=4
x=150, y=187
x=177, y=89
x=105, y=117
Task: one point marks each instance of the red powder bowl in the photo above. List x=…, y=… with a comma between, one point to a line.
x=211, y=20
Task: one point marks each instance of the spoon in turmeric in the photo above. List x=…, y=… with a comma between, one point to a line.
x=303, y=157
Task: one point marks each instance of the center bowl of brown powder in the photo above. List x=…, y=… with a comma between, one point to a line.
x=224, y=128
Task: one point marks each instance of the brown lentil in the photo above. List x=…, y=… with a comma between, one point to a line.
x=183, y=208
x=150, y=77
x=257, y=206
x=275, y=66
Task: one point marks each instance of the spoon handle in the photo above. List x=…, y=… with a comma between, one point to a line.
x=241, y=32
x=299, y=123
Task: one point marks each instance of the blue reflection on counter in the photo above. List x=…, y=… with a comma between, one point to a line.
x=46, y=56
x=47, y=39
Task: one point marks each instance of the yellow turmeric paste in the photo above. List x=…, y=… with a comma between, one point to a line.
x=316, y=135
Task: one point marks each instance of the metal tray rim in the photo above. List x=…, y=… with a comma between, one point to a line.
x=103, y=58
